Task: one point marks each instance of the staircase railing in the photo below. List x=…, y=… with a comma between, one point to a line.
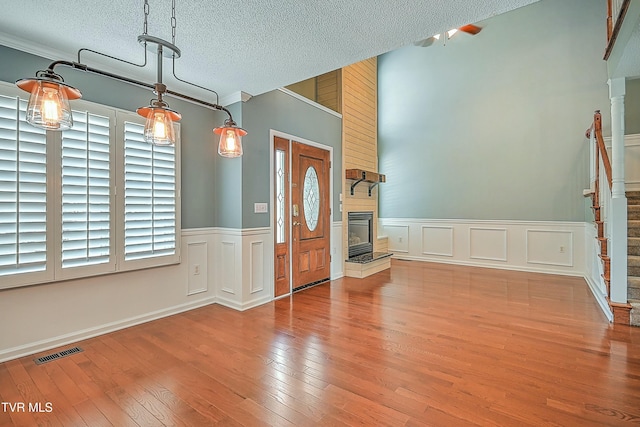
x=601, y=193
x=616, y=11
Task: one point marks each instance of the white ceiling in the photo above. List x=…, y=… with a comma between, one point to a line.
x=252, y=46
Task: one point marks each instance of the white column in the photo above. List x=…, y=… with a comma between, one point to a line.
x=618, y=218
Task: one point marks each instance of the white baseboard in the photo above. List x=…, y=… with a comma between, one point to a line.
x=43, y=345
x=494, y=266
x=601, y=299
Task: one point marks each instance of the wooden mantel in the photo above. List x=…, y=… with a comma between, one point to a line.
x=359, y=175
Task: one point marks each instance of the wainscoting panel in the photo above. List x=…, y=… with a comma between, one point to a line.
x=257, y=279
x=488, y=243
x=198, y=267
x=437, y=240
x=228, y=267
x=550, y=247
x=337, y=255
x=544, y=246
x=398, y=237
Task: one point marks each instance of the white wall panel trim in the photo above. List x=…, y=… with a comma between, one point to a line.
x=442, y=244
x=256, y=267
x=488, y=244
x=550, y=247
x=228, y=267
x=398, y=237
x=197, y=261
x=337, y=254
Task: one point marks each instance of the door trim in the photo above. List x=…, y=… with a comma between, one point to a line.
x=272, y=134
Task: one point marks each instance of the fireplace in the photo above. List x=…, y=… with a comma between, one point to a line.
x=360, y=233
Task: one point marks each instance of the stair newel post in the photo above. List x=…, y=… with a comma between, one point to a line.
x=596, y=194
x=618, y=219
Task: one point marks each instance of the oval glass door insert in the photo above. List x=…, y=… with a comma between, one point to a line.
x=311, y=198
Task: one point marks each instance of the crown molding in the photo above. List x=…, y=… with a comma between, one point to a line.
x=232, y=98
x=33, y=48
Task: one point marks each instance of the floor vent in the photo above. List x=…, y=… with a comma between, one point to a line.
x=56, y=356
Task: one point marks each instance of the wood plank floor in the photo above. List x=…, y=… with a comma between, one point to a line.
x=418, y=345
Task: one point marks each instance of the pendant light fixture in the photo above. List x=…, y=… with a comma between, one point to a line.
x=158, y=128
x=230, y=144
x=48, y=106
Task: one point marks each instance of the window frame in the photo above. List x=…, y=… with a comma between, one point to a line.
x=54, y=272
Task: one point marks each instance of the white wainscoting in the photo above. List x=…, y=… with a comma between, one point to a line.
x=594, y=270
x=337, y=255
x=228, y=266
x=437, y=240
x=244, y=262
x=488, y=243
x=197, y=280
x=541, y=246
x=397, y=236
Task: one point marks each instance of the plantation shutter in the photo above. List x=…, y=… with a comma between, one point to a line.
x=86, y=219
x=149, y=196
x=23, y=191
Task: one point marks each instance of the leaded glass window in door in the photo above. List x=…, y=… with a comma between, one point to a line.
x=311, y=198
x=280, y=197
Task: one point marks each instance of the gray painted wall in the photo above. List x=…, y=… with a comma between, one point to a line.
x=279, y=111
x=632, y=107
x=492, y=126
x=229, y=180
x=199, y=147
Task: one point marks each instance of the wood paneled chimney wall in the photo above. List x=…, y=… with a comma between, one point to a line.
x=360, y=140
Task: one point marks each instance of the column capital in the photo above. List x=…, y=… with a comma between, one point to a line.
x=617, y=87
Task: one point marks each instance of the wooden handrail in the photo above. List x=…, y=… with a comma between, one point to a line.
x=609, y=19
x=601, y=149
x=615, y=16
x=597, y=128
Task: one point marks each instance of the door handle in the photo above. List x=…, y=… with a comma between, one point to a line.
x=296, y=223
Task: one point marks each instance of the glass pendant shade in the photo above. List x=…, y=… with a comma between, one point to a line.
x=230, y=144
x=48, y=106
x=158, y=128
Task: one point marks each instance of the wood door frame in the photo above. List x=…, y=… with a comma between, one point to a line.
x=272, y=188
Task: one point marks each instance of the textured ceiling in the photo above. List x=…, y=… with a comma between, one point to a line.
x=252, y=46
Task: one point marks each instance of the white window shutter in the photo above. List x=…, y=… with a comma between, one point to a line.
x=23, y=191
x=86, y=204
x=149, y=197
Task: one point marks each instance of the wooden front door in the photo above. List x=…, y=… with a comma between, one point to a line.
x=310, y=214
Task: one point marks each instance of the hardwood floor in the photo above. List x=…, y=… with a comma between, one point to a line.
x=420, y=345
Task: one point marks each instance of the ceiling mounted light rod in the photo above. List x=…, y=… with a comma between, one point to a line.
x=158, y=128
x=92, y=70
x=49, y=101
